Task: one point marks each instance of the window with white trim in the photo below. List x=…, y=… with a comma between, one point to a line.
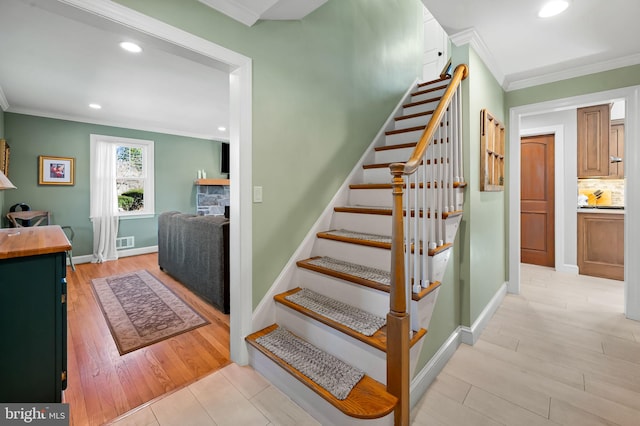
x=134, y=174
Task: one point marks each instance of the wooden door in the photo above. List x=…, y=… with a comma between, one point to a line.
x=537, y=229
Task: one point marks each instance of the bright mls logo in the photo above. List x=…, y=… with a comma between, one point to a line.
x=42, y=415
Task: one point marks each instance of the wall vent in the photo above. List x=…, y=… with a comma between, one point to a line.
x=124, y=243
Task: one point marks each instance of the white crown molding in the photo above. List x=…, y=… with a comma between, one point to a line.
x=119, y=124
x=573, y=72
x=118, y=13
x=233, y=10
x=471, y=37
x=4, y=103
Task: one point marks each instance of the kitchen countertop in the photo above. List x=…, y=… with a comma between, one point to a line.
x=604, y=210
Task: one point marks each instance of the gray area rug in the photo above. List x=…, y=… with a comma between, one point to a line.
x=140, y=310
x=355, y=318
x=329, y=372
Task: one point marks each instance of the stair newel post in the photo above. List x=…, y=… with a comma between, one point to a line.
x=398, y=321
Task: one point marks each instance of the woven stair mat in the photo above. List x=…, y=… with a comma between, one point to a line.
x=329, y=372
x=360, y=236
x=360, y=271
x=355, y=318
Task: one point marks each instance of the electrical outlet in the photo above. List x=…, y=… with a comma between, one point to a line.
x=257, y=194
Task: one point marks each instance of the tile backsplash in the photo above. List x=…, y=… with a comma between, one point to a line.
x=616, y=186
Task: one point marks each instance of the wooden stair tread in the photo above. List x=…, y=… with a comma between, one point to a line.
x=360, y=238
x=435, y=81
x=426, y=101
x=396, y=146
x=381, y=286
x=407, y=130
x=415, y=115
x=371, y=240
x=368, y=399
x=389, y=186
x=378, y=340
x=386, y=211
x=429, y=90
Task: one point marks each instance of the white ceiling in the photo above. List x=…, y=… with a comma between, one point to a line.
x=56, y=59
x=524, y=50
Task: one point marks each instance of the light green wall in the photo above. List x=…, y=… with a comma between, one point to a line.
x=592, y=83
x=484, y=261
x=177, y=160
x=478, y=264
x=322, y=88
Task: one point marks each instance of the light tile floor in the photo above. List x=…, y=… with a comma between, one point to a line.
x=561, y=352
x=234, y=396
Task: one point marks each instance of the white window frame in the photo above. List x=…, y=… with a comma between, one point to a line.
x=148, y=164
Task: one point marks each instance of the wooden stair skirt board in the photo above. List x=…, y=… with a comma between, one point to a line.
x=369, y=399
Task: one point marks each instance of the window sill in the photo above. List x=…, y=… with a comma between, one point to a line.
x=137, y=216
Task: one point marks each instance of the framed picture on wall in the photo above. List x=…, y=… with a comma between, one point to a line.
x=56, y=170
x=4, y=157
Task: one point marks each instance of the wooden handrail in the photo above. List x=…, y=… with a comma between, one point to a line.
x=461, y=72
x=398, y=320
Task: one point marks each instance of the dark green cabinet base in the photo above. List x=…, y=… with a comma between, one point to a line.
x=33, y=316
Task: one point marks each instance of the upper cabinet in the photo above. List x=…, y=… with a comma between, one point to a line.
x=616, y=149
x=593, y=141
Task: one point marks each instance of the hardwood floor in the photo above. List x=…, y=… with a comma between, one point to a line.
x=562, y=352
x=103, y=385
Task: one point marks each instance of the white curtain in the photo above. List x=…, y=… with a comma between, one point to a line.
x=104, y=201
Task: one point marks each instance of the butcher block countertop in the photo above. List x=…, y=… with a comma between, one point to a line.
x=19, y=242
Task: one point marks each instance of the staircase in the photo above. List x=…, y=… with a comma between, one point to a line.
x=358, y=307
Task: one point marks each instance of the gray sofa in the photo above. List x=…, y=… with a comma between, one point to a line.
x=195, y=251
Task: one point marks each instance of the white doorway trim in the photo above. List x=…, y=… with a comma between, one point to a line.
x=240, y=136
x=631, y=95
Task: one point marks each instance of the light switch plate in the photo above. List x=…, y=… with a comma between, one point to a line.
x=257, y=194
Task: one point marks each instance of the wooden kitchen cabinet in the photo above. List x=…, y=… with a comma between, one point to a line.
x=616, y=148
x=593, y=141
x=601, y=245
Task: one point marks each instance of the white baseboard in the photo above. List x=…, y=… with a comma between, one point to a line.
x=121, y=253
x=469, y=335
x=428, y=374
x=462, y=334
x=568, y=269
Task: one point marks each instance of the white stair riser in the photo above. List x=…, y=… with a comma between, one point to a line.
x=429, y=106
x=451, y=228
x=428, y=95
x=352, y=351
x=372, y=257
x=422, y=310
x=306, y=398
x=377, y=175
x=438, y=265
x=400, y=155
x=370, y=197
x=357, y=222
x=404, y=137
x=405, y=123
x=383, y=197
x=365, y=298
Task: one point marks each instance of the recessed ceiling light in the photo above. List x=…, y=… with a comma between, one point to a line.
x=222, y=128
x=131, y=47
x=95, y=106
x=553, y=8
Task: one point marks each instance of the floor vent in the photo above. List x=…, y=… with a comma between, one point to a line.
x=124, y=243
